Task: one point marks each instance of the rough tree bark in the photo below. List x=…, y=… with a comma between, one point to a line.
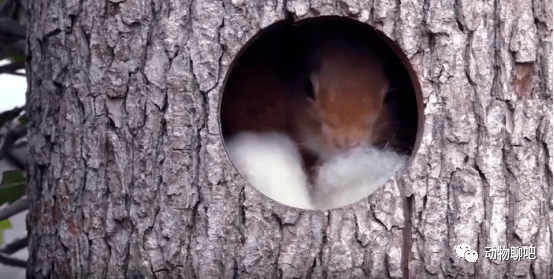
x=128, y=177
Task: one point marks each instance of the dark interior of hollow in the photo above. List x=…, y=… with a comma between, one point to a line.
x=259, y=79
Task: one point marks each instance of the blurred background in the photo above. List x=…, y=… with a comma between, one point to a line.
x=12, y=96
x=13, y=142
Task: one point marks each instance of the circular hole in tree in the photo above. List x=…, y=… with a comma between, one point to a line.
x=320, y=113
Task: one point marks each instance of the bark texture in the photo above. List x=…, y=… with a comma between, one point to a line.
x=128, y=176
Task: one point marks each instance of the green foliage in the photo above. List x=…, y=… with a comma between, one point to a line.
x=23, y=120
x=12, y=187
x=4, y=224
x=16, y=58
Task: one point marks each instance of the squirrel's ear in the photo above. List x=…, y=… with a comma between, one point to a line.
x=312, y=88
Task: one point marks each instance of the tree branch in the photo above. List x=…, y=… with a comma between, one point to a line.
x=17, y=74
x=13, y=262
x=11, y=68
x=15, y=246
x=10, y=138
x=9, y=115
x=14, y=160
x=11, y=27
x=16, y=207
x=5, y=7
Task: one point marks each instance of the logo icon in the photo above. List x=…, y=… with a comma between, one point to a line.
x=471, y=256
x=461, y=250
x=464, y=251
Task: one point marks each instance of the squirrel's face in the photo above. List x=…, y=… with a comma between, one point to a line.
x=349, y=112
x=345, y=134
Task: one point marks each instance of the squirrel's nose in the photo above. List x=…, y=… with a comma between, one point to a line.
x=355, y=138
x=353, y=142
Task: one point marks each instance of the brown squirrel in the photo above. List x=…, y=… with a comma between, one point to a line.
x=344, y=105
x=331, y=95
x=320, y=90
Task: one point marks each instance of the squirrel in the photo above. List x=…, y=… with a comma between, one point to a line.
x=341, y=104
x=336, y=99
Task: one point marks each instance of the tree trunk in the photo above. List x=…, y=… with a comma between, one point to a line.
x=128, y=177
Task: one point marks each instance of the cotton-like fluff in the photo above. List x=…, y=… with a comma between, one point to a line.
x=272, y=164
x=353, y=175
